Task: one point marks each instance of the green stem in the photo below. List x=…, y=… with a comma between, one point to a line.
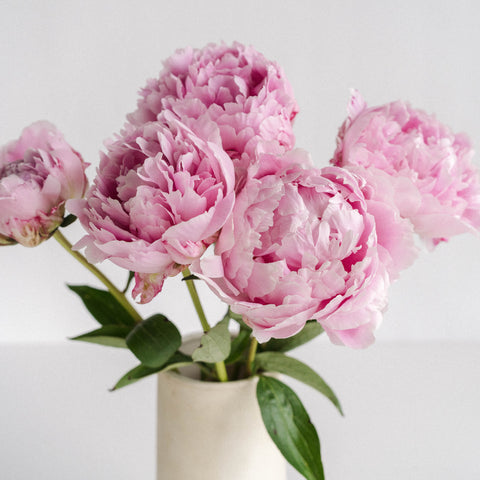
x=251, y=355
x=221, y=371
x=119, y=296
x=192, y=289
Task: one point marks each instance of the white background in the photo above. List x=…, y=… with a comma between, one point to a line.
x=80, y=64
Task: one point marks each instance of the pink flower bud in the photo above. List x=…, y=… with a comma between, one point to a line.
x=38, y=173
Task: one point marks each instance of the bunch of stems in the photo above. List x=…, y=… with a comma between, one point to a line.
x=119, y=295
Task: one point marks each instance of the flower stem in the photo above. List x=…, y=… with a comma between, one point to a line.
x=192, y=289
x=119, y=296
x=221, y=371
x=251, y=355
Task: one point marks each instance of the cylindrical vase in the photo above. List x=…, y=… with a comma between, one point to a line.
x=213, y=431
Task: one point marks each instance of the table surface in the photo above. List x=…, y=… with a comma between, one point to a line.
x=411, y=412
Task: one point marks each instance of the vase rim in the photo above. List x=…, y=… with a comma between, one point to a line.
x=179, y=377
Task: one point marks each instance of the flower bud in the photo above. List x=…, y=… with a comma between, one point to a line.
x=38, y=173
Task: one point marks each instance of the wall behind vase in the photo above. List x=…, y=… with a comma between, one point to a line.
x=80, y=66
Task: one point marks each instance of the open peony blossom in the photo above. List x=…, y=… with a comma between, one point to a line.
x=300, y=245
x=160, y=196
x=38, y=173
x=429, y=167
x=247, y=95
x=395, y=234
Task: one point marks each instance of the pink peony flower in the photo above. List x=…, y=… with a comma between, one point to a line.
x=300, y=245
x=160, y=196
x=247, y=95
x=38, y=173
x=429, y=167
x=395, y=234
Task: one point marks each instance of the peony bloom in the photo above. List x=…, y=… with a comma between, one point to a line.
x=300, y=245
x=160, y=196
x=247, y=95
x=395, y=234
x=429, y=167
x=38, y=173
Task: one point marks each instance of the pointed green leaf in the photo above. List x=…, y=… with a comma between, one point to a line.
x=68, y=220
x=214, y=345
x=239, y=320
x=103, y=306
x=109, y=335
x=7, y=241
x=289, y=426
x=154, y=340
x=311, y=330
x=134, y=375
x=236, y=316
x=279, y=362
x=141, y=371
x=131, y=276
x=190, y=277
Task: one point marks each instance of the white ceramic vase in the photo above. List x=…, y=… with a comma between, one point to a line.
x=213, y=431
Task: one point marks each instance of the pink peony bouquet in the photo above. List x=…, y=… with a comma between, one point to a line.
x=204, y=182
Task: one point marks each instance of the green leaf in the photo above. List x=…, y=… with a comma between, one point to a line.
x=109, y=335
x=103, y=306
x=7, y=241
x=289, y=426
x=311, y=330
x=239, y=345
x=238, y=318
x=68, y=220
x=154, y=340
x=141, y=371
x=214, y=345
x=190, y=277
x=279, y=362
x=131, y=276
x=235, y=316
